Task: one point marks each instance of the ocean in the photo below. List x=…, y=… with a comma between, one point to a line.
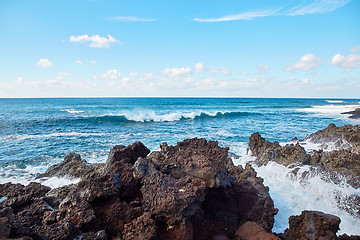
x=37, y=133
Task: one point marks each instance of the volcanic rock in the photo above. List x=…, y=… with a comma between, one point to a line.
x=188, y=191
x=312, y=225
x=252, y=231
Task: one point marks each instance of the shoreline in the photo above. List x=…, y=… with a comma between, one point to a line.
x=354, y=114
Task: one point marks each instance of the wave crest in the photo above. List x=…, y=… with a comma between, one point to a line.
x=152, y=116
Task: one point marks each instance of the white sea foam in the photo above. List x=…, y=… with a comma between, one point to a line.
x=55, y=182
x=50, y=135
x=310, y=146
x=329, y=109
x=334, y=101
x=292, y=193
x=72, y=111
x=150, y=115
x=27, y=175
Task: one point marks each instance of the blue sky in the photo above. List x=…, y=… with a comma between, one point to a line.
x=305, y=48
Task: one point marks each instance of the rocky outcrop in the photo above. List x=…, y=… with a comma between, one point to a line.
x=354, y=114
x=312, y=225
x=187, y=191
x=266, y=151
x=338, y=164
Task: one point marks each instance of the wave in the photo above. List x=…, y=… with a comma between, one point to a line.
x=151, y=116
x=329, y=109
x=72, y=111
x=56, y=134
x=334, y=101
x=294, y=191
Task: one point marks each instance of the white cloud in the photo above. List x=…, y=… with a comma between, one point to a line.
x=44, y=63
x=262, y=69
x=93, y=62
x=177, y=72
x=355, y=49
x=315, y=7
x=244, y=73
x=95, y=40
x=348, y=62
x=111, y=74
x=306, y=63
x=199, y=67
x=65, y=74
x=132, y=19
x=305, y=81
x=242, y=16
x=79, y=62
x=133, y=74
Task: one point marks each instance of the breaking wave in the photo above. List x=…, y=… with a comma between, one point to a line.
x=152, y=116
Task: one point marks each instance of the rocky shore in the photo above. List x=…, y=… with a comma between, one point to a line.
x=354, y=114
x=188, y=191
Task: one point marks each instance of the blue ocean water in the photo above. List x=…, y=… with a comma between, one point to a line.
x=36, y=133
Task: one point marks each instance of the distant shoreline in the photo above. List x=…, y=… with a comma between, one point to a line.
x=354, y=114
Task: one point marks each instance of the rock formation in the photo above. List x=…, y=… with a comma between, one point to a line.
x=187, y=191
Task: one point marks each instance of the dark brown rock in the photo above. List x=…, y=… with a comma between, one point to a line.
x=142, y=228
x=312, y=225
x=195, y=158
x=252, y=231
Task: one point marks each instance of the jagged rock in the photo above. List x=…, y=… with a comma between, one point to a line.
x=188, y=191
x=127, y=154
x=312, y=225
x=169, y=199
x=354, y=114
x=261, y=207
x=337, y=138
x=72, y=167
x=181, y=231
x=252, y=231
x=78, y=212
x=114, y=213
x=100, y=235
x=195, y=158
x=142, y=228
x=258, y=145
x=265, y=152
x=346, y=237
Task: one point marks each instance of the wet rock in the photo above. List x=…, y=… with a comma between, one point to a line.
x=188, y=191
x=346, y=134
x=252, y=231
x=312, y=225
x=72, y=167
x=258, y=145
x=354, y=114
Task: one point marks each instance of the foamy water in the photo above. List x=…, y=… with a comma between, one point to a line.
x=37, y=133
x=330, y=109
x=292, y=193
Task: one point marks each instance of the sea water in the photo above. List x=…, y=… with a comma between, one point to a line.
x=37, y=133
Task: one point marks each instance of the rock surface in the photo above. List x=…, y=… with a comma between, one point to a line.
x=354, y=114
x=344, y=161
x=252, y=231
x=187, y=191
x=312, y=225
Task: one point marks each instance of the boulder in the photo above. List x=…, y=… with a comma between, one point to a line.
x=312, y=225
x=252, y=231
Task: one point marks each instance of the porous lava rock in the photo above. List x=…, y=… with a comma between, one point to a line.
x=312, y=225
x=188, y=191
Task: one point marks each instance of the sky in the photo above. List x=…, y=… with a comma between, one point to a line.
x=212, y=48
